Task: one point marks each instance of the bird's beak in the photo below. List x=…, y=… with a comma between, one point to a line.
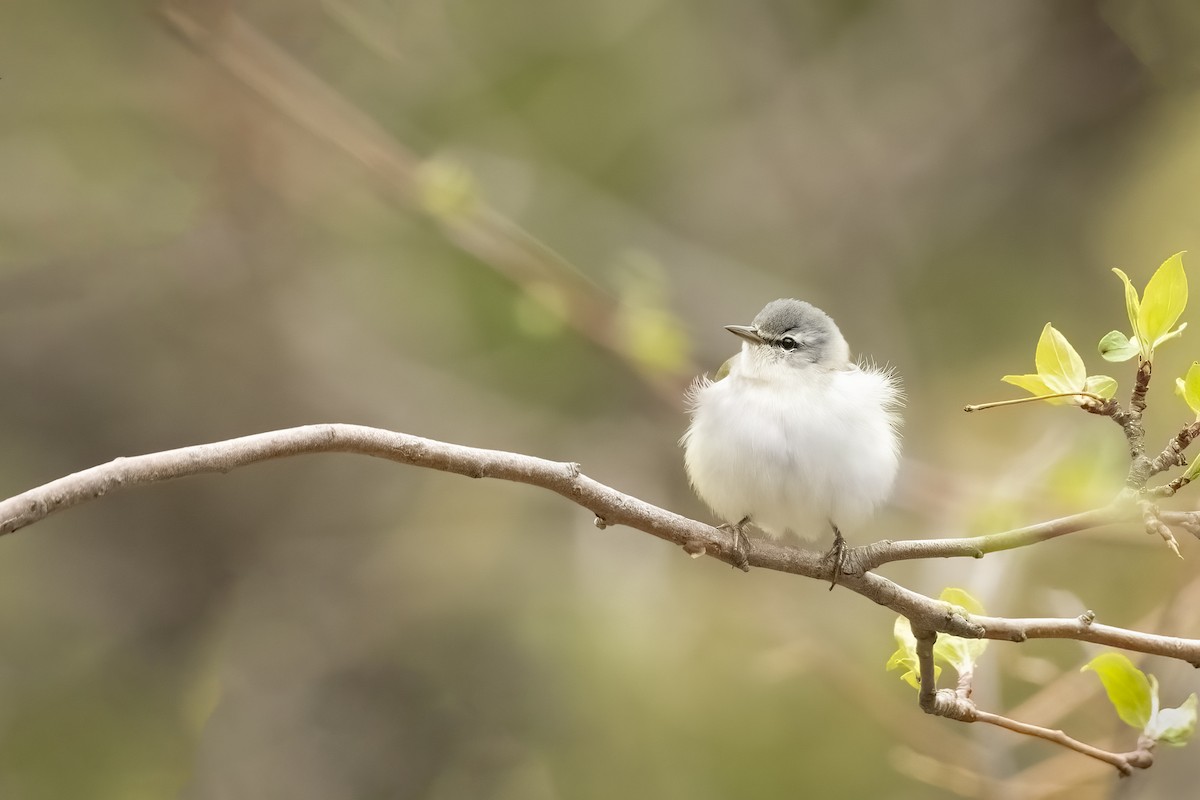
x=747, y=332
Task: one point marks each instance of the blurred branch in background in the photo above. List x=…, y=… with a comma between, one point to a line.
x=634, y=326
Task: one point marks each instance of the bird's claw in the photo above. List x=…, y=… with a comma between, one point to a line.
x=741, y=544
x=836, y=554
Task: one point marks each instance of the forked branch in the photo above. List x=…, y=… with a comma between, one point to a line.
x=957, y=704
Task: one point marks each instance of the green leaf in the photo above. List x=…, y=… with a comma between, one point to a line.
x=961, y=598
x=905, y=656
x=1030, y=383
x=1127, y=686
x=1188, y=387
x=1163, y=301
x=1135, y=697
x=1115, y=346
x=724, y=369
x=1192, y=471
x=962, y=654
x=1132, y=305
x=1174, y=726
x=1175, y=334
x=1102, y=385
x=1057, y=362
x=1060, y=370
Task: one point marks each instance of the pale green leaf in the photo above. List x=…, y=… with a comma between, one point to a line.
x=1174, y=726
x=724, y=369
x=902, y=631
x=961, y=598
x=1057, y=362
x=1102, y=385
x=1166, y=337
x=1116, y=346
x=1132, y=305
x=1127, y=686
x=1030, y=383
x=1192, y=471
x=911, y=674
x=1164, y=299
x=899, y=658
x=905, y=656
x=912, y=677
x=1036, y=386
x=1189, y=387
x=962, y=654
x=958, y=652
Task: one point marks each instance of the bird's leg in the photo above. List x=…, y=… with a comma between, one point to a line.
x=836, y=554
x=741, y=544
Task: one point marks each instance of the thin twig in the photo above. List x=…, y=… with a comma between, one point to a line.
x=871, y=556
x=927, y=693
x=1017, y=401
x=1170, y=488
x=1124, y=762
x=1152, y=520
x=1172, y=454
x=957, y=705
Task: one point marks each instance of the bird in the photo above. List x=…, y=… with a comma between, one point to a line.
x=792, y=436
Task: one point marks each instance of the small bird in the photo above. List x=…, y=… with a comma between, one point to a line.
x=792, y=436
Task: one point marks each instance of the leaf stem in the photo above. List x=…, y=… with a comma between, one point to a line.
x=1019, y=400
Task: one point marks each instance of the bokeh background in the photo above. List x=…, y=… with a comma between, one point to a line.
x=522, y=225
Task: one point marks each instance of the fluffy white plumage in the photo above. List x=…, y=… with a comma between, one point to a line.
x=795, y=437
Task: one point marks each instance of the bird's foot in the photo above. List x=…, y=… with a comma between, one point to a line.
x=836, y=554
x=741, y=543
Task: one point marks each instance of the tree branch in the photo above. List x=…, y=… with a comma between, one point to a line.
x=1130, y=420
x=1124, y=762
x=1141, y=385
x=608, y=504
x=565, y=479
x=957, y=705
x=1172, y=454
x=868, y=557
x=1135, y=431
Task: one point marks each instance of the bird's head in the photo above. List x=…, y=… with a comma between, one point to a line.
x=792, y=333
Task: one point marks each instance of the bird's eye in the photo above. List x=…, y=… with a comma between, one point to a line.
x=788, y=343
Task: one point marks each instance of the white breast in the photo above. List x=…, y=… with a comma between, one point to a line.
x=797, y=451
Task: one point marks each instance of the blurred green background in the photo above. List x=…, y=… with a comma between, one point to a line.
x=522, y=225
